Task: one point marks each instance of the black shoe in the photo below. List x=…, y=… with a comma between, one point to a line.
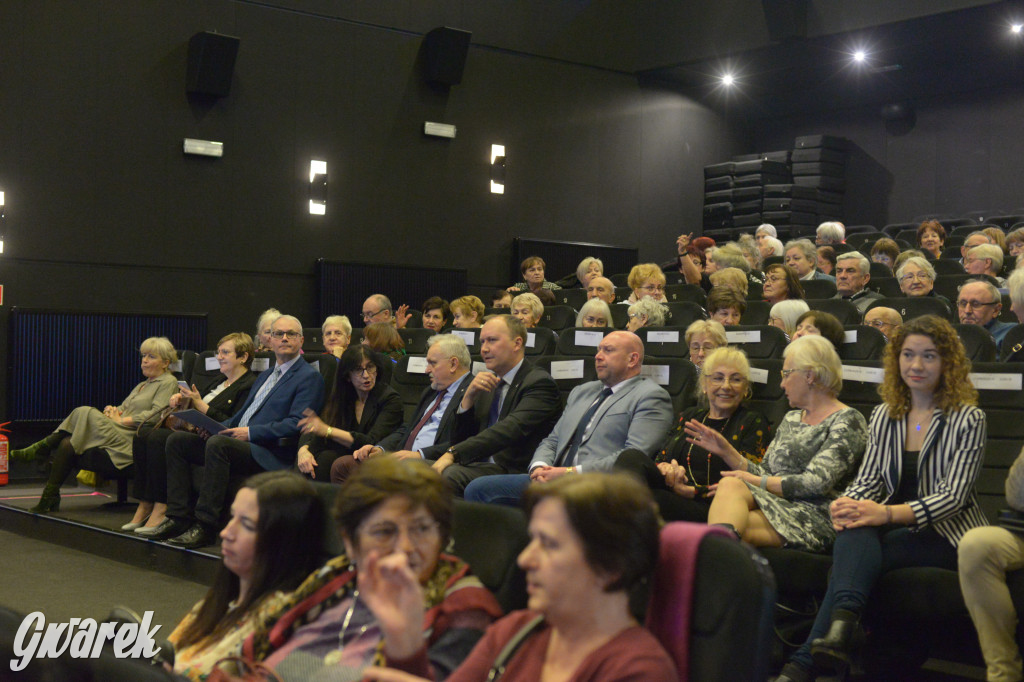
x=833, y=651
x=195, y=537
x=49, y=501
x=791, y=672
x=168, y=528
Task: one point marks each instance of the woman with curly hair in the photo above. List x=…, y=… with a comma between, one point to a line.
x=913, y=498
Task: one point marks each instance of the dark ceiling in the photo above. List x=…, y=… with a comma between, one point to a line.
x=959, y=51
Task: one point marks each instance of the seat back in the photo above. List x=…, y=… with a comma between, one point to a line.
x=863, y=343
x=1001, y=396
x=187, y=358
x=206, y=372
x=685, y=292
x=949, y=285
x=489, y=537
x=767, y=396
x=1013, y=342
x=664, y=342
x=620, y=315
x=844, y=311
x=409, y=379
x=879, y=270
x=541, y=341
x=470, y=336
x=946, y=266
x=756, y=314
x=818, y=288
x=910, y=307
x=978, y=342
x=312, y=339
x=568, y=372
x=886, y=286
x=619, y=280
x=327, y=365
x=557, y=317
x=416, y=339
x=574, y=298
x=757, y=341
x=622, y=292
x=684, y=313
x=675, y=375
x=580, y=341
x=861, y=379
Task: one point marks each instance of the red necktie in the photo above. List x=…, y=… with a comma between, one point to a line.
x=426, y=417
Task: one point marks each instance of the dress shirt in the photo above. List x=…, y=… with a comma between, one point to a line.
x=428, y=433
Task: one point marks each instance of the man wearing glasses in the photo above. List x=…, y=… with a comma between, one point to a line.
x=979, y=303
x=377, y=308
x=251, y=443
x=885, y=320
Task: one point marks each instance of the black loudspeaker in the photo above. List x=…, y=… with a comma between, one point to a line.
x=786, y=19
x=444, y=52
x=211, y=61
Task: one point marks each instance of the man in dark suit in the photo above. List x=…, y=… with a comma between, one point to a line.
x=513, y=405
x=621, y=410
x=429, y=433
x=249, y=445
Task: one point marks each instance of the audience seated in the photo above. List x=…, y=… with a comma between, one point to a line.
x=885, y=251
x=533, y=276
x=468, y=312
x=251, y=443
x=528, y=309
x=1015, y=243
x=917, y=278
x=985, y=259
x=984, y=556
x=111, y=430
x=781, y=283
x=377, y=308
x=505, y=412
x=546, y=298
x=337, y=334
x=270, y=544
x=765, y=230
x=784, y=499
x=588, y=269
x=647, y=281
x=594, y=540
x=683, y=475
x=829, y=233
x=726, y=305
x=853, y=272
x=785, y=315
x=602, y=288
x=980, y=303
x=621, y=410
x=826, y=262
x=931, y=238
x=702, y=337
x=385, y=339
x=594, y=313
x=820, y=323
x=394, y=516
x=263, y=329
x=976, y=238
x=234, y=356
x=436, y=314
x=1015, y=285
x=885, y=320
x=733, y=278
x=360, y=410
x=751, y=252
x=997, y=236
x=770, y=246
x=913, y=497
x=501, y=298
x=646, y=313
x=430, y=430
x=802, y=257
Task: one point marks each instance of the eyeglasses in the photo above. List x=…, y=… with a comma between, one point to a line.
x=786, y=372
x=387, y=533
x=279, y=334
x=369, y=371
x=974, y=304
x=367, y=315
x=774, y=280
x=596, y=321
x=915, y=276
x=224, y=353
x=719, y=380
x=634, y=316
x=696, y=347
x=653, y=287
x=878, y=324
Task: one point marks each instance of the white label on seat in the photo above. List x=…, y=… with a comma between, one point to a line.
x=212, y=364
x=757, y=375
x=872, y=375
x=468, y=337
x=744, y=337
x=850, y=336
x=479, y=367
x=531, y=340
x=260, y=364
x=417, y=365
x=996, y=382
x=588, y=338
x=663, y=337
x=567, y=369
x=660, y=373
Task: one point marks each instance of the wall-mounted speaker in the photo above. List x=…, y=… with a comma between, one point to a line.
x=444, y=55
x=786, y=19
x=211, y=62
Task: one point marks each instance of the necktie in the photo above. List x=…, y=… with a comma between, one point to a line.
x=422, y=422
x=569, y=454
x=260, y=397
x=495, y=412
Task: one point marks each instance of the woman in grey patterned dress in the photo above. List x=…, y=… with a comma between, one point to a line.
x=783, y=501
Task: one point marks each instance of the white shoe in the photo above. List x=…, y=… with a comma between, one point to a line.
x=132, y=526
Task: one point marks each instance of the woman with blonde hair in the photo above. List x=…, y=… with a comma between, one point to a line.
x=467, y=312
x=785, y=314
x=647, y=281
x=528, y=309
x=336, y=331
x=734, y=278
x=702, y=337
x=914, y=497
x=264, y=327
x=594, y=313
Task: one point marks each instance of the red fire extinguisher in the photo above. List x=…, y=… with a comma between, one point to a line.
x=4, y=443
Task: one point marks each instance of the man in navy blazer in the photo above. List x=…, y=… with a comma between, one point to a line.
x=622, y=410
x=250, y=444
x=430, y=431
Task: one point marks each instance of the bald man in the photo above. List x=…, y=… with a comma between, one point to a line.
x=885, y=320
x=621, y=410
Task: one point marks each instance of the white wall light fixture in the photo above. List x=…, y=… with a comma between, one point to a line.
x=317, y=187
x=203, y=147
x=497, y=169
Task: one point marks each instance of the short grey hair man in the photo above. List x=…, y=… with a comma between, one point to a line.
x=831, y=232
x=452, y=346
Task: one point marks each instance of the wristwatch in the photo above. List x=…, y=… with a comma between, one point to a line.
x=455, y=455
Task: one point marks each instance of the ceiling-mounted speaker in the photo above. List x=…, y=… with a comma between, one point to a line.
x=786, y=19
x=444, y=55
x=211, y=63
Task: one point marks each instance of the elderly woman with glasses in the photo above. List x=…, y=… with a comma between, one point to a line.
x=702, y=337
x=683, y=475
x=647, y=281
x=783, y=501
x=917, y=278
x=594, y=313
x=781, y=284
x=360, y=411
x=391, y=513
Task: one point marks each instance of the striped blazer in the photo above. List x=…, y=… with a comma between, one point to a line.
x=947, y=468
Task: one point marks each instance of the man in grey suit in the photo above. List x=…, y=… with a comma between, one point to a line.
x=853, y=272
x=429, y=433
x=601, y=419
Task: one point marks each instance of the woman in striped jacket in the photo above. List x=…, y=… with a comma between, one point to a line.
x=913, y=498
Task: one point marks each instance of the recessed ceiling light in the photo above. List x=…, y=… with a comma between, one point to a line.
x=860, y=56
x=728, y=79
